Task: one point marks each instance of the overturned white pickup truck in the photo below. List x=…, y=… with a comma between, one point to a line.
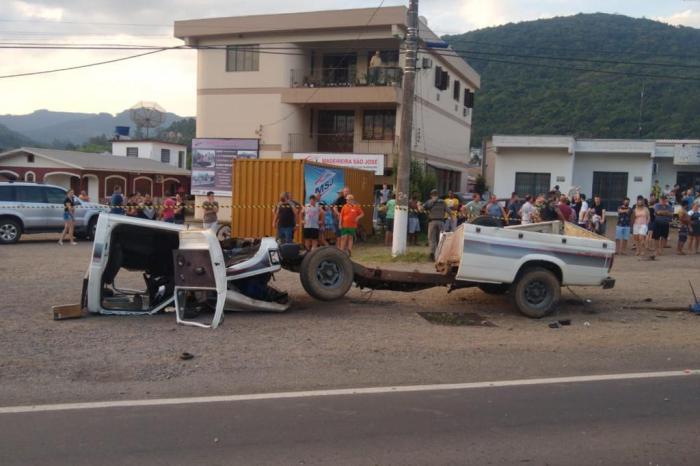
x=191, y=270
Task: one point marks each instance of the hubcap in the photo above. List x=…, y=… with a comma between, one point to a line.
x=8, y=232
x=535, y=292
x=328, y=274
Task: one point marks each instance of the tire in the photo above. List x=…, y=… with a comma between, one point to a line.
x=494, y=288
x=10, y=231
x=223, y=232
x=326, y=273
x=536, y=292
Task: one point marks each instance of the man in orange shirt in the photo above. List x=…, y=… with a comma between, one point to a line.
x=350, y=215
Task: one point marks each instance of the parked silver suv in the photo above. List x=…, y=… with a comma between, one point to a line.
x=38, y=208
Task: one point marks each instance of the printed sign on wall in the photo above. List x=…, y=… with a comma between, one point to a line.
x=323, y=182
x=371, y=162
x=212, y=161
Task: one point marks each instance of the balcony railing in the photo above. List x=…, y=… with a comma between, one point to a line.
x=341, y=143
x=346, y=77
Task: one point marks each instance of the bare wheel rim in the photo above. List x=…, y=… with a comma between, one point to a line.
x=224, y=233
x=8, y=232
x=329, y=274
x=536, y=292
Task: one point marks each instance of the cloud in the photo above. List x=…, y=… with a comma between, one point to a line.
x=480, y=14
x=30, y=10
x=688, y=17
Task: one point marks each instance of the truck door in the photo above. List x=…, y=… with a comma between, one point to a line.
x=200, y=278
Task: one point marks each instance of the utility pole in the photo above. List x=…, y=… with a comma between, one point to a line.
x=641, y=112
x=398, y=245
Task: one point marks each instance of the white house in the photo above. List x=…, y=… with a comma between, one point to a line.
x=160, y=151
x=611, y=168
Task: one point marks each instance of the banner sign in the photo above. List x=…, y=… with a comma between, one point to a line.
x=212, y=161
x=323, y=182
x=371, y=162
x=686, y=154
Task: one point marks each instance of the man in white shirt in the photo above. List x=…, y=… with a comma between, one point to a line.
x=375, y=65
x=526, y=211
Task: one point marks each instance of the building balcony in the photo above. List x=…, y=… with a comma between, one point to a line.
x=344, y=86
x=339, y=143
x=349, y=76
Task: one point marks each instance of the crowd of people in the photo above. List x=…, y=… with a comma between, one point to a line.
x=171, y=209
x=315, y=218
x=643, y=226
x=646, y=223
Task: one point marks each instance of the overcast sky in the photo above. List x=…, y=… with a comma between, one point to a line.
x=169, y=77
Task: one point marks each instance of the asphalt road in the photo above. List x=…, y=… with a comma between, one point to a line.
x=620, y=422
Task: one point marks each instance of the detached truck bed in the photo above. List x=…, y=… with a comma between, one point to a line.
x=529, y=262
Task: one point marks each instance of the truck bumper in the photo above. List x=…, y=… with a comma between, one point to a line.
x=608, y=283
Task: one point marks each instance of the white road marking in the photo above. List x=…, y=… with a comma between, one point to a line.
x=342, y=391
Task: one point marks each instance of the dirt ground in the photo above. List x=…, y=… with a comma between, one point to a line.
x=367, y=339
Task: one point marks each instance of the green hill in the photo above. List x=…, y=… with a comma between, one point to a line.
x=553, y=98
x=11, y=139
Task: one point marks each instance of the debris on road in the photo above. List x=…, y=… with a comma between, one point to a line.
x=67, y=311
x=186, y=356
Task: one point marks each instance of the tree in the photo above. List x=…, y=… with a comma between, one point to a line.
x=97, y=144
x=422, y=182
x=525, y=93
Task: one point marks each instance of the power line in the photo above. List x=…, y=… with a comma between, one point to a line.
x=32, y=73
x=589, y=60
x=576, y=50
x=48, y=33
x=295, y=51
x=587, y=70
x=97, y=23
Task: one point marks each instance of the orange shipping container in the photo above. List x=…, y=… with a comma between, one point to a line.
x=257, y=185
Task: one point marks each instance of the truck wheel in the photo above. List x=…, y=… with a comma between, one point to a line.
x=10, y=231
x=223, y=232
x=494, y=288
x=536, y=292
x=326, y=273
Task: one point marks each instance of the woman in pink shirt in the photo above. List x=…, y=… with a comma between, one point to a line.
x=168, y=213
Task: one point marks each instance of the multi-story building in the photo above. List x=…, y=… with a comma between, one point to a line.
x=308, y=83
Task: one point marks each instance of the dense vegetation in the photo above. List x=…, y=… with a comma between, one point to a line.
x=520, y=99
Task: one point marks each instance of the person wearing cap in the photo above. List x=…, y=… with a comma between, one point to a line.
x=436, y=209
